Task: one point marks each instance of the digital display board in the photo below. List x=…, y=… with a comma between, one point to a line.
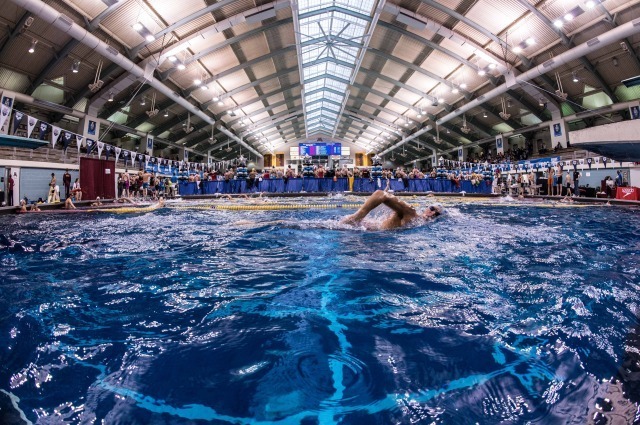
x=320, y=149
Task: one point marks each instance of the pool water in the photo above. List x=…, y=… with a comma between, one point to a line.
x=493, y=313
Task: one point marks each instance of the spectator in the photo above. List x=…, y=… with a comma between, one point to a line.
x=66, y=182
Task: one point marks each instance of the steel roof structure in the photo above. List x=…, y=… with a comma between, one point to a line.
x=396, y=75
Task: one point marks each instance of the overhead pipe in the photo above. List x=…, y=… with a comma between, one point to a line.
x=67, y=25
x=611, y=36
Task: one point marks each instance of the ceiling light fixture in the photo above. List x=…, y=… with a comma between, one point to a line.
x=558, y=23
x=110, y=97
x=143, y=101
x=181, y=66
x=143, y=31
x=197, y=81
x=484, y=115
x=172, y=58
x=575, y=77
x=33, y=46
x=166, y=113
x=454, y=90
x=482, y=72
x=75, y=68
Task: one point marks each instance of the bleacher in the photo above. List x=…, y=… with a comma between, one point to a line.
x=40, y=155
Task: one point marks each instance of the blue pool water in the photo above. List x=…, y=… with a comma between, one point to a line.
x=491, y=314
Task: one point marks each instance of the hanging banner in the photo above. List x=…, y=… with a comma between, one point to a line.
x=79, y=142
x=100, y=147
x=31, y=124
x=558, y=134
x=634, y=111
x=117, y=150
x=146, y=160
x=132, y=156
x=66, y=140
x=149, y=144
x=55, y=134
x=43, y=130
x=460, y=153
x=17, y=120
x=90, y=146
x=5, y=111
x=186, y=156
x=108, y=151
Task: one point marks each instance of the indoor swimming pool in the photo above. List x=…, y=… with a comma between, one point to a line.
x=496, y=312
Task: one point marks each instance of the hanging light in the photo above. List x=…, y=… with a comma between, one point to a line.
x=143, y=101
x=33, y=46
x=181, y=66
x=110, y=96
x=172, y=58
x=484, y=115
x=75, y=68
x=575, y=77
x=166, y=113
x=197, y=81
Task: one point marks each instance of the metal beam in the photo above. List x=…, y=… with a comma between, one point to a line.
x=570, y=44
x=16, y=31
x=253, y=84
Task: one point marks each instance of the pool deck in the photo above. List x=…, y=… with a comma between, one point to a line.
x=108, y=202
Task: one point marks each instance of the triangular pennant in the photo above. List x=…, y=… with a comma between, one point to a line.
x=17, y=119
x=5, y=110
x=55, y=134
x=66, y=140
x=31, y=124
x=118, y=150
x=43, y=130
x=100, y=147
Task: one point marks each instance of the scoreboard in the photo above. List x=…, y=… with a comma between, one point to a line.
x=320, y=149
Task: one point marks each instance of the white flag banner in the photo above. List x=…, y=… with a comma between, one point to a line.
x=146, y=160
x=133, y=158
x=55, y=134
x=100, y=147
x=31, y=124
x=118, y=150
x=79, y=142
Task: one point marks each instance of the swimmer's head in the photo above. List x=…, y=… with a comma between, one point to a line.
x=432, y=211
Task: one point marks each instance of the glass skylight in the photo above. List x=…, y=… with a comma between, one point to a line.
x=331, y=40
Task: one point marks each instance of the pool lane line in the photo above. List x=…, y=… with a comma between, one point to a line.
x=268, y=207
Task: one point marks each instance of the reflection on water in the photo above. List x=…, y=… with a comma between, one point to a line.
x=490, y=314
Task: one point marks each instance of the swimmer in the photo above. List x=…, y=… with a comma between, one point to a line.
x=97, y=203
x=403, y=213
x=23, y=205
x=68, y=205
x=125, y=201
x=34, y=208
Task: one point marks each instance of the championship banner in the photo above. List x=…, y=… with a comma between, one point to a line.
x=17, y=120
x=596, y=160
x=186, y=155
x=140, y=159
x=558, y=134
x=55, y=134
x=31, y=124
x=117, y=150
x=43, y=130
x=100, y=147
x=108, y=150
x=150, y=144
x=5, y=112
x=146, y=160
x=132, y=156
x=460, y=154
x=589, y=162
